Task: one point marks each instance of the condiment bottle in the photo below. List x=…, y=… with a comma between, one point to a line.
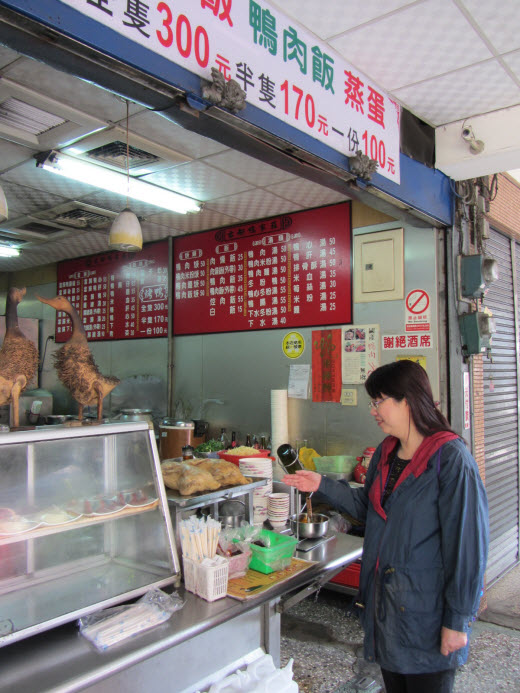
x=233, y=439
x=367, y=456
x=187, y=452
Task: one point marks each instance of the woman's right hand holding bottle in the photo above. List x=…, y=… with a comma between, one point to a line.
x=304, y=480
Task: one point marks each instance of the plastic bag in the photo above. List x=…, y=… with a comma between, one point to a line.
x=111, y=626
x=236, y=551
x=249, y=532
x=228, y=549
x=245, y=534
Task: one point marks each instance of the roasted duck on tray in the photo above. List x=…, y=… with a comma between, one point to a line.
x=200, y=475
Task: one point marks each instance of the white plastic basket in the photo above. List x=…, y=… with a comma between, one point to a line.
x=190, y=575
x=212, y=580
x=207, y=581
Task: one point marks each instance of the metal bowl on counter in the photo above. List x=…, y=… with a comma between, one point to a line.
x=301, y=527
x=232, y=513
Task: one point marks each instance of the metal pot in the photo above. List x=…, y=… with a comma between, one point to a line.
x=231, y=513
x=309, y=530
x=135, y=415
x=174, y=435
x=54, y=419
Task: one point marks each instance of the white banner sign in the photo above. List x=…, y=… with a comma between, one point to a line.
x=284, y=70
x=406, y=341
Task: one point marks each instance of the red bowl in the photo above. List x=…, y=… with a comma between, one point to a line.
x=235, y=458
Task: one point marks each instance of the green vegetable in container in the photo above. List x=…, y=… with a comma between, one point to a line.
x=211, y=445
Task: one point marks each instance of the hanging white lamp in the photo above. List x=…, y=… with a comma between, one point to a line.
x=125, y=232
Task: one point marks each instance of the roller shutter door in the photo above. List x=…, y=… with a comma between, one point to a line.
x=501, y=389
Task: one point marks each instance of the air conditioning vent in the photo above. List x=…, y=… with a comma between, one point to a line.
x=113, y=154
x=21, y=115
x=12, y=241
x=78, y=215
x=108, y=148
x=82, y=219
x=35, y=227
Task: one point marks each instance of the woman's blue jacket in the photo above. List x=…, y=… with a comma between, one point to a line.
x=423, y=567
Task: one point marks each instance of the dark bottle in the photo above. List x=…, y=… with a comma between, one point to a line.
x=263, y=443
x=187, y=452
x=233, y=439
x=256, y=444
x=289, y=458
x=248, y=440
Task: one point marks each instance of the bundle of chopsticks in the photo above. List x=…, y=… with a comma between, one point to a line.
x=199, y=537
x=124, y=624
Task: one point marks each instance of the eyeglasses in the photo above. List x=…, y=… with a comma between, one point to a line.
x=376, y=403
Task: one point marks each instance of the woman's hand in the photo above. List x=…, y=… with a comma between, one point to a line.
x=452, y=640
x=304, y=480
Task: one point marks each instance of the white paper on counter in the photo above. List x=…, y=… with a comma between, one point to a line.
x=299, y=377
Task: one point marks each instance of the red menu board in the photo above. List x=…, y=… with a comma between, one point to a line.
x=292, y=270
x=117, y=295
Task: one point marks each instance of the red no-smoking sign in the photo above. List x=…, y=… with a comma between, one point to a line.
x=417, y=317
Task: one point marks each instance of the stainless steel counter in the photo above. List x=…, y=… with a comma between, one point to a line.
x=61, y=661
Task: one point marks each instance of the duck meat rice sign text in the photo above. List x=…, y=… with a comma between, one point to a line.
x=117, y=295
x=292, y=270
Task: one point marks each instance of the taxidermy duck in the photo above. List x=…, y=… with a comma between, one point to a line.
x=75, y=364
x=18, y=356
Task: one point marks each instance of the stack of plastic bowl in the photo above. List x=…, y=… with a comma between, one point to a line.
x=259, y=467
x=278, y=509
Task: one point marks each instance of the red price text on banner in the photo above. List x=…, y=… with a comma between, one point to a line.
x=117, y=296
x=292, y=270
x=283, y=69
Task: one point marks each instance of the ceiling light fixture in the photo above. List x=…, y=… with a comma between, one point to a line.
x=115, y=182
x=8, y=251
x=125, y=233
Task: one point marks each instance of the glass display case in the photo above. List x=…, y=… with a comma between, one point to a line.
x=84, y=523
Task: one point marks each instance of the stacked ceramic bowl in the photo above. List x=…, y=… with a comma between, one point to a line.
x=278, y=509
x=259, y=467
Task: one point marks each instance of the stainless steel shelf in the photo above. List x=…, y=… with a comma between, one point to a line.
x=198, y=500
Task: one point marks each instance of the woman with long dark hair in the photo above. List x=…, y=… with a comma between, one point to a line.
x=424, y=508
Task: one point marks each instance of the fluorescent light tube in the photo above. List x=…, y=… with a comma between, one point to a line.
x=118, y=183
x=8, y=251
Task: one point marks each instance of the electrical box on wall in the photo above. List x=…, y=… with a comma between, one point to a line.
x=476, y=330
x=379, y=266
x=476, y=274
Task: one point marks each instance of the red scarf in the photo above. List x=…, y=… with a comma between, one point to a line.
x=416, y=466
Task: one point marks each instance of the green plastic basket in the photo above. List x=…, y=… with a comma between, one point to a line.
x=338, y=464
x=275, y=557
